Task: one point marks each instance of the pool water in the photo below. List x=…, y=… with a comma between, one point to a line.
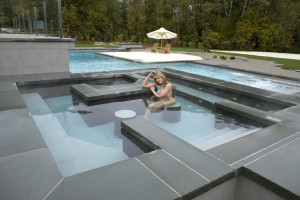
x=82, y=137
x=79, y=137
x=87, y=61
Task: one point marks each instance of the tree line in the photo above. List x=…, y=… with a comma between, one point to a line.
x=260, y=25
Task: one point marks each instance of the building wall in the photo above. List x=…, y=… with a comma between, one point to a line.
x=34, y=56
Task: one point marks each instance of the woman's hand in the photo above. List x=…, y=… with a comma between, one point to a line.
x=152, y=73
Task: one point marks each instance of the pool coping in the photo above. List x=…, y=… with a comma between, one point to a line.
x=286, y=117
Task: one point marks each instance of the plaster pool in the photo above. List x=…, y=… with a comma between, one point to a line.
x=82, y=61
x=82, y=137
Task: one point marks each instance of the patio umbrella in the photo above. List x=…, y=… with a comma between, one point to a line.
x=161, y=34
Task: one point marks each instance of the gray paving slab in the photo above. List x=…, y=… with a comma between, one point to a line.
x=293, y=99
x=92, y=92
x=11, y=99
x=8, y=85
x=31, y=175
x=185, y=181
x=60, y=75
x=246, y=111
x=85, y=91
x=278, y=170
x=264, y=151
x=18, y=133
x=126, y=180
x=286, y=115
x=240, y=148
x=211, y=168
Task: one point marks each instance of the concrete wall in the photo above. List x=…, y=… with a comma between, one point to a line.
x=33, y=56
x=225, y=191
x=240, y=188
x=246, y=189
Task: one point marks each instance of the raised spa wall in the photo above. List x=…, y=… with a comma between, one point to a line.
x=34, y=55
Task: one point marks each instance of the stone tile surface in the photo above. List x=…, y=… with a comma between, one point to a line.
x=185, y=181
x=7, y=85
x=211, y=168
x=18, y=133
x=279, y=168
x=31, y=175
x=125, y=180
x=249, y=144
x=11, y=99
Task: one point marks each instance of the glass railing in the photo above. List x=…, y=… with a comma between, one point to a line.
x=31, y=17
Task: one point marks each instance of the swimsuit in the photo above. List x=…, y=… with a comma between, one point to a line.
x=161, y=90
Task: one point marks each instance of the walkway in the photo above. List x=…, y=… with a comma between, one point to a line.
x=267, y=54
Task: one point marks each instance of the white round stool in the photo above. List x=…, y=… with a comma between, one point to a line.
x=121, y=115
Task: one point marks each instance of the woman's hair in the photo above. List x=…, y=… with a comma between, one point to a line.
x=158, y=75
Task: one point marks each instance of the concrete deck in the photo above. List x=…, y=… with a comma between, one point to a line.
x=267, y=54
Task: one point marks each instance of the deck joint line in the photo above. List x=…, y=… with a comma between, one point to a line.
x=186, y=165
x=53, y=188
x=266, y=148
x=273, y=150
x=23, y=152
x=159, y=178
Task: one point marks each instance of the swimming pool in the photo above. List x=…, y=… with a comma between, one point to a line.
x=82, y=137
x=82, y=61
x=79, y=137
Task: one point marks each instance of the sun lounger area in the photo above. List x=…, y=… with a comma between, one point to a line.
x=148, y=57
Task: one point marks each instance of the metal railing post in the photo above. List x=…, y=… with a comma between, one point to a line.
x=14, y=24
x=19, y=21
x=51, y=28
x=59, y=18
x=23, y=22
x=29, y=23
x=45, y=19
x=35, y=19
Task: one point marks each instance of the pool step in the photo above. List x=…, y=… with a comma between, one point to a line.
x=197, y=93
x=193, y=120
x=72, y=154
x=232, y=135
x=210, y=135
x=199, y=135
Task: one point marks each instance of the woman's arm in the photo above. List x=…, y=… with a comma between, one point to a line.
x=145, y=84
x=165, y=91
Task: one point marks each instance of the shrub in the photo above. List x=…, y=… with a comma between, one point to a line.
x=191, y=44
x=215, y=56
x=223, y=57
x=232, y=58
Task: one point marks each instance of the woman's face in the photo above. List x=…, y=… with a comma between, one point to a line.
x=159, y=81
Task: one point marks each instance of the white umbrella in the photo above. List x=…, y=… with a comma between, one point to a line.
x=161, y=34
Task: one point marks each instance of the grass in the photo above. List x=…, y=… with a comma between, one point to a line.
x=92, y=45
x=186, y=49
x=285, y=63
x=182, y=49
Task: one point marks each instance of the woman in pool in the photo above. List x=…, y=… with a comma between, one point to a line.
x=161, y=89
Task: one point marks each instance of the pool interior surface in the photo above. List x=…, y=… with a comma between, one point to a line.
x=82, y=61
x=83, y=137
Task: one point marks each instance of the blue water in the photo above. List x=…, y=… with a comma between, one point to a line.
x=81, y=137
x=87, y=61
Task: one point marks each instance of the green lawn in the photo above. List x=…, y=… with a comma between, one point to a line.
x=92, y=45
x=286, y=63
x=186, y=49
